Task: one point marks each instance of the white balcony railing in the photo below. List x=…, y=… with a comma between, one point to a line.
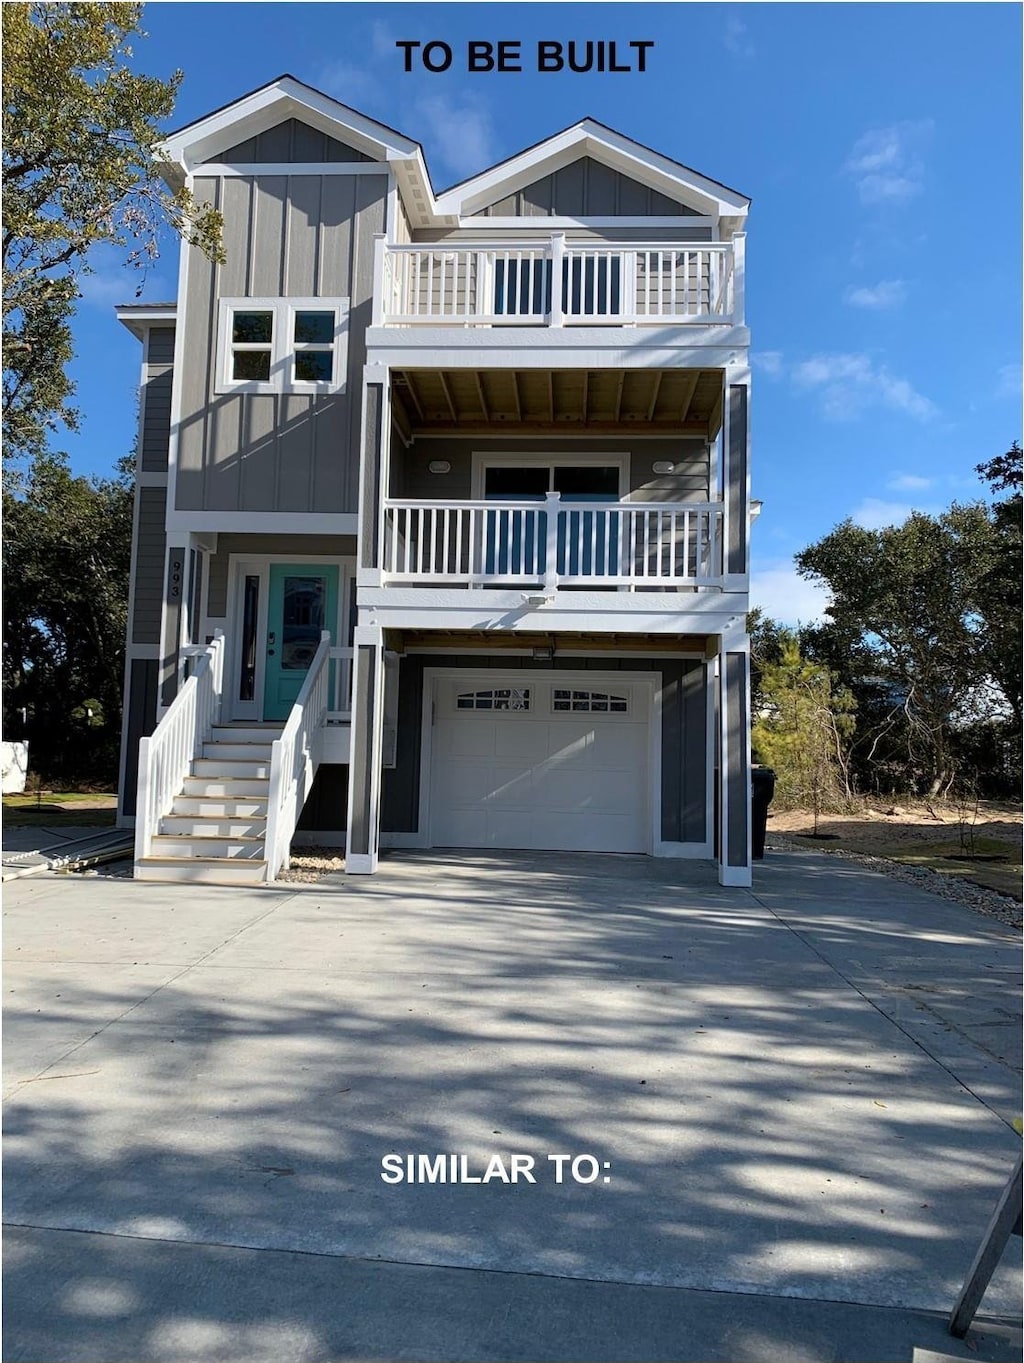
x=638, y=545
x=559, y=283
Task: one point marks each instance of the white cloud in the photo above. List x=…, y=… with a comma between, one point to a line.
x=1008, y=381
x=850, y=384
x=352, y=85
x=459, y=133
x=875, y=514
x=888, y=293
x=909, y=482
x=785, y=596
x=886, y=163
x=768, y=361
x=736, y=40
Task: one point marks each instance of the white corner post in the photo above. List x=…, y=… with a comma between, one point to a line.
x=732, y=710
x=736, y=477
x=366, y=751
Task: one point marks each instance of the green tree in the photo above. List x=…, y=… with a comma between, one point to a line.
x=81, y=166
x=904, y=625
x=999, y=635
x=801, y=729
x=66, y=560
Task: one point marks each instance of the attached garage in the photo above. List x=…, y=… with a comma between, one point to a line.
x=539, y=760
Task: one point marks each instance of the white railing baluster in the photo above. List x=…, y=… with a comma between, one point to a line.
x=166, y=756
x=504, y=283
x=502, y=543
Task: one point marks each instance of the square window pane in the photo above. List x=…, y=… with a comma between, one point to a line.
x=251, y=364
x=252, y=327
x=314, y=328
x=314, y=366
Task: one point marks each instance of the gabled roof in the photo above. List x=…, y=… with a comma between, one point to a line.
x=594, y=139
x=286, y=97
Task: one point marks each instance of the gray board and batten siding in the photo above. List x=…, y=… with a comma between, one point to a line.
x=683, y=742
x=411, y=476
x=298, y=236
x=586, y=188
x=292, y=141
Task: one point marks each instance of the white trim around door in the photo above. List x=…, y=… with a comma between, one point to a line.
x=241, y=566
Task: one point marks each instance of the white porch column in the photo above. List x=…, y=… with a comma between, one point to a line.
x=373, y=473
x=733, y=735
x=736, y=476
x=364, y=771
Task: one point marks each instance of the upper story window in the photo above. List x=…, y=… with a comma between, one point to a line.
x=282, y=345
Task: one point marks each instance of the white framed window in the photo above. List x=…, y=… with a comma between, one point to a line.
x=282, y=345
x=507, y=698
x=588, y=702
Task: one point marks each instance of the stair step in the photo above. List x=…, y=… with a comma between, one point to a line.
x=220, y=806
x=222, y=751
x=205, y=766
x=203, y=826
x=231, y=849
x=218, y=871
x=227, y=785
x=245, y=733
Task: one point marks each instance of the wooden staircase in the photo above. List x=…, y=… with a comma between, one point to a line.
x=215, y=833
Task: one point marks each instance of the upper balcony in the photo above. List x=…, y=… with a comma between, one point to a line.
x=602, y=285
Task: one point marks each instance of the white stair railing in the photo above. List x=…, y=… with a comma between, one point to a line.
x=166, y=756
x=295, y=757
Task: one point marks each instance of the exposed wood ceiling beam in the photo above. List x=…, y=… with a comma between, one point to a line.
x=515, y=396
x=586, y=395
x=654, y=396
x=400, y=417
x=551, y=396
x=689, y=388
x=447, y=395
x=480, y=394
x=410, y=389
x=532, y=426
x=618, y=394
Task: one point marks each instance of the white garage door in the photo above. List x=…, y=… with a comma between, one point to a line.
x=527, y=763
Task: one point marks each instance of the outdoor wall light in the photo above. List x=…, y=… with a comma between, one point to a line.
x=439, y=466
x=544, y=653
x=663, y=466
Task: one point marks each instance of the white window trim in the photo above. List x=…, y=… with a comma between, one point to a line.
x=483, y=460
x=282, y=348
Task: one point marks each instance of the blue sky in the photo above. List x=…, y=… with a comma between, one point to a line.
x=880, y=144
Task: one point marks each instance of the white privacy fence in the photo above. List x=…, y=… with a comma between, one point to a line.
x=624, y=544
x=165, y=758
x=556, y=283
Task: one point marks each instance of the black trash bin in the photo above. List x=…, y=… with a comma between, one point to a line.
x=762, y=788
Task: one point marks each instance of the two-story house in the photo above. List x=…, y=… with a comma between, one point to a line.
x=442, y=520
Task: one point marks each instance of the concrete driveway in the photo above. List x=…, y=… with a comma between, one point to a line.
x=796, y=1100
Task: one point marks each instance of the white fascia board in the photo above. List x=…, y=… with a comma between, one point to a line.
x=614, y=150
x=292, y=523
x=285, y=98
x=138, y=320
x=679, y=347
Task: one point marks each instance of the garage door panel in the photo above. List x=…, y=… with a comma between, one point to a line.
x=538, y=778
x=520, y=737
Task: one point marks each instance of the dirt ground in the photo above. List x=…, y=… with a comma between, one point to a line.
x=983, y=845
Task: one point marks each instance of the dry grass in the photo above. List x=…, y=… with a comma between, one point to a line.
x=985, y=849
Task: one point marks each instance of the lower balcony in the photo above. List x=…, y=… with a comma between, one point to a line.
x=553, y=543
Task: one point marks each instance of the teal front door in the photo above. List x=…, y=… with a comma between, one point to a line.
x=303, y=601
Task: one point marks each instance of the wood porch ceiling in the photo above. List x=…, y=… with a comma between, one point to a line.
x=499, y=641
x=662, y=401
